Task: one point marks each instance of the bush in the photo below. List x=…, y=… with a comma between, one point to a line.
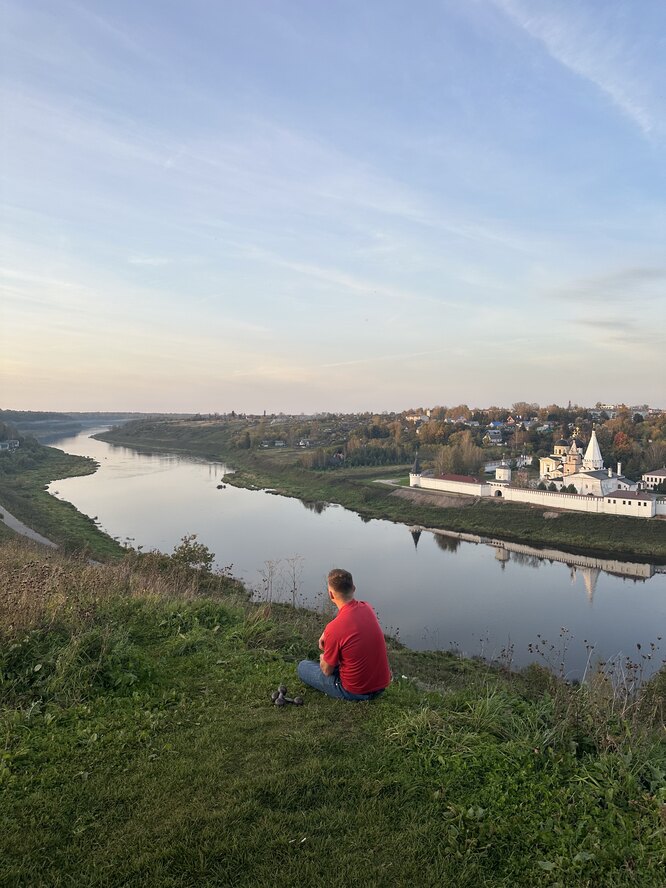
x=194, y=554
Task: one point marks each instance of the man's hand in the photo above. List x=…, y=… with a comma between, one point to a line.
x=321, y=641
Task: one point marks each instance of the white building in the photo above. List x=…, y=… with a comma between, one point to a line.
x=585, y=472
x=654, y=478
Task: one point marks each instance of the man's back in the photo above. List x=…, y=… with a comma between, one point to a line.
x=354, y=642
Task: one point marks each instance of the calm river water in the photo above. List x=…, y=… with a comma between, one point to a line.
x=434, y=591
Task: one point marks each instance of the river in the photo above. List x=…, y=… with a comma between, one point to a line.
x=434, y=591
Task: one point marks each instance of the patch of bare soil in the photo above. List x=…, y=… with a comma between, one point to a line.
x=433, y=498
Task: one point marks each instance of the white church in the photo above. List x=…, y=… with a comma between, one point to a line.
x=568, y=465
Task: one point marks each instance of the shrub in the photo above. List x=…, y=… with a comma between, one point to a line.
x=194, y=554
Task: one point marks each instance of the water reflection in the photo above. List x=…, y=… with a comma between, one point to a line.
x=447, y=543
x=317, y=507
x=526, y=560
x=530, y=556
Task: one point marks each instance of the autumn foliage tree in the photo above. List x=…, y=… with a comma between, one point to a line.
x=460, y=456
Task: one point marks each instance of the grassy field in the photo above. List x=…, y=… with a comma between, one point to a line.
x=356, y=490
x=6, y=533
x=23, y=493
x=139, y=747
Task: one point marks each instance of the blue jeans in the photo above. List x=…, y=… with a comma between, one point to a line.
x=310, y=673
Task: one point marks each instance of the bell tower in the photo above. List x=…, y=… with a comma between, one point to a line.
x=572, y=461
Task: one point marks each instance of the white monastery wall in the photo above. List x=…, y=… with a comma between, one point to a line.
x=552, y=500
x=606, y=505
x=449, y=486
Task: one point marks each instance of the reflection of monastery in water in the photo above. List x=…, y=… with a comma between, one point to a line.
x=585, y=566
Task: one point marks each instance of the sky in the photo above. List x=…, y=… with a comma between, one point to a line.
x=350, y=205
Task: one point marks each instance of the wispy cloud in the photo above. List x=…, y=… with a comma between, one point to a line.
x=581, y=41
x=620, y=333
x=344, y=281
x=118, y=35
x=393, y=356
x=279, y=370
x=153, y=261
x=624, y=285
x=26, y=277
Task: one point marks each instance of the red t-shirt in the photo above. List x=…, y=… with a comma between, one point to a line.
x=355, y=642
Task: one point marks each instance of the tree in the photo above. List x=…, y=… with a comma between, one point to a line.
x=460, y=457
x=462, y=410
x=654, y=456
x=193, y=553
x=622, y=445
x=520, y=479
x=524, y=409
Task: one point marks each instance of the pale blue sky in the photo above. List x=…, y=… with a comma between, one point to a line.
x=339, y=205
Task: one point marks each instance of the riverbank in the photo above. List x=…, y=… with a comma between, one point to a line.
x=23, y=492
x=356, y=489
x=140, y=740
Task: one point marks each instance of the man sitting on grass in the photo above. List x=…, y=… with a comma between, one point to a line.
x=353, y=664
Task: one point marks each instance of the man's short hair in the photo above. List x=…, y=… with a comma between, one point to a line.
x=341, y=581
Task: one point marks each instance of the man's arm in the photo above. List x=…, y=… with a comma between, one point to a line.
x=325, y=667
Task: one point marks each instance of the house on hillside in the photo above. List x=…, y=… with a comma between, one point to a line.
x=493, y=436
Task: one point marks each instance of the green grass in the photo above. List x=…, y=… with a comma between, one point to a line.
x=23, y=493
x=139, y=747
x=6, y=533
x=356, y=490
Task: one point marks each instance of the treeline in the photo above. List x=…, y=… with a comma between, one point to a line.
x=27, y=456
x=378, y=454
x=451, y=440
x=13, y=416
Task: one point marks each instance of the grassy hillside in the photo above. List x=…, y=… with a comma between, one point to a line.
x=356, y=489
x=140, y=747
